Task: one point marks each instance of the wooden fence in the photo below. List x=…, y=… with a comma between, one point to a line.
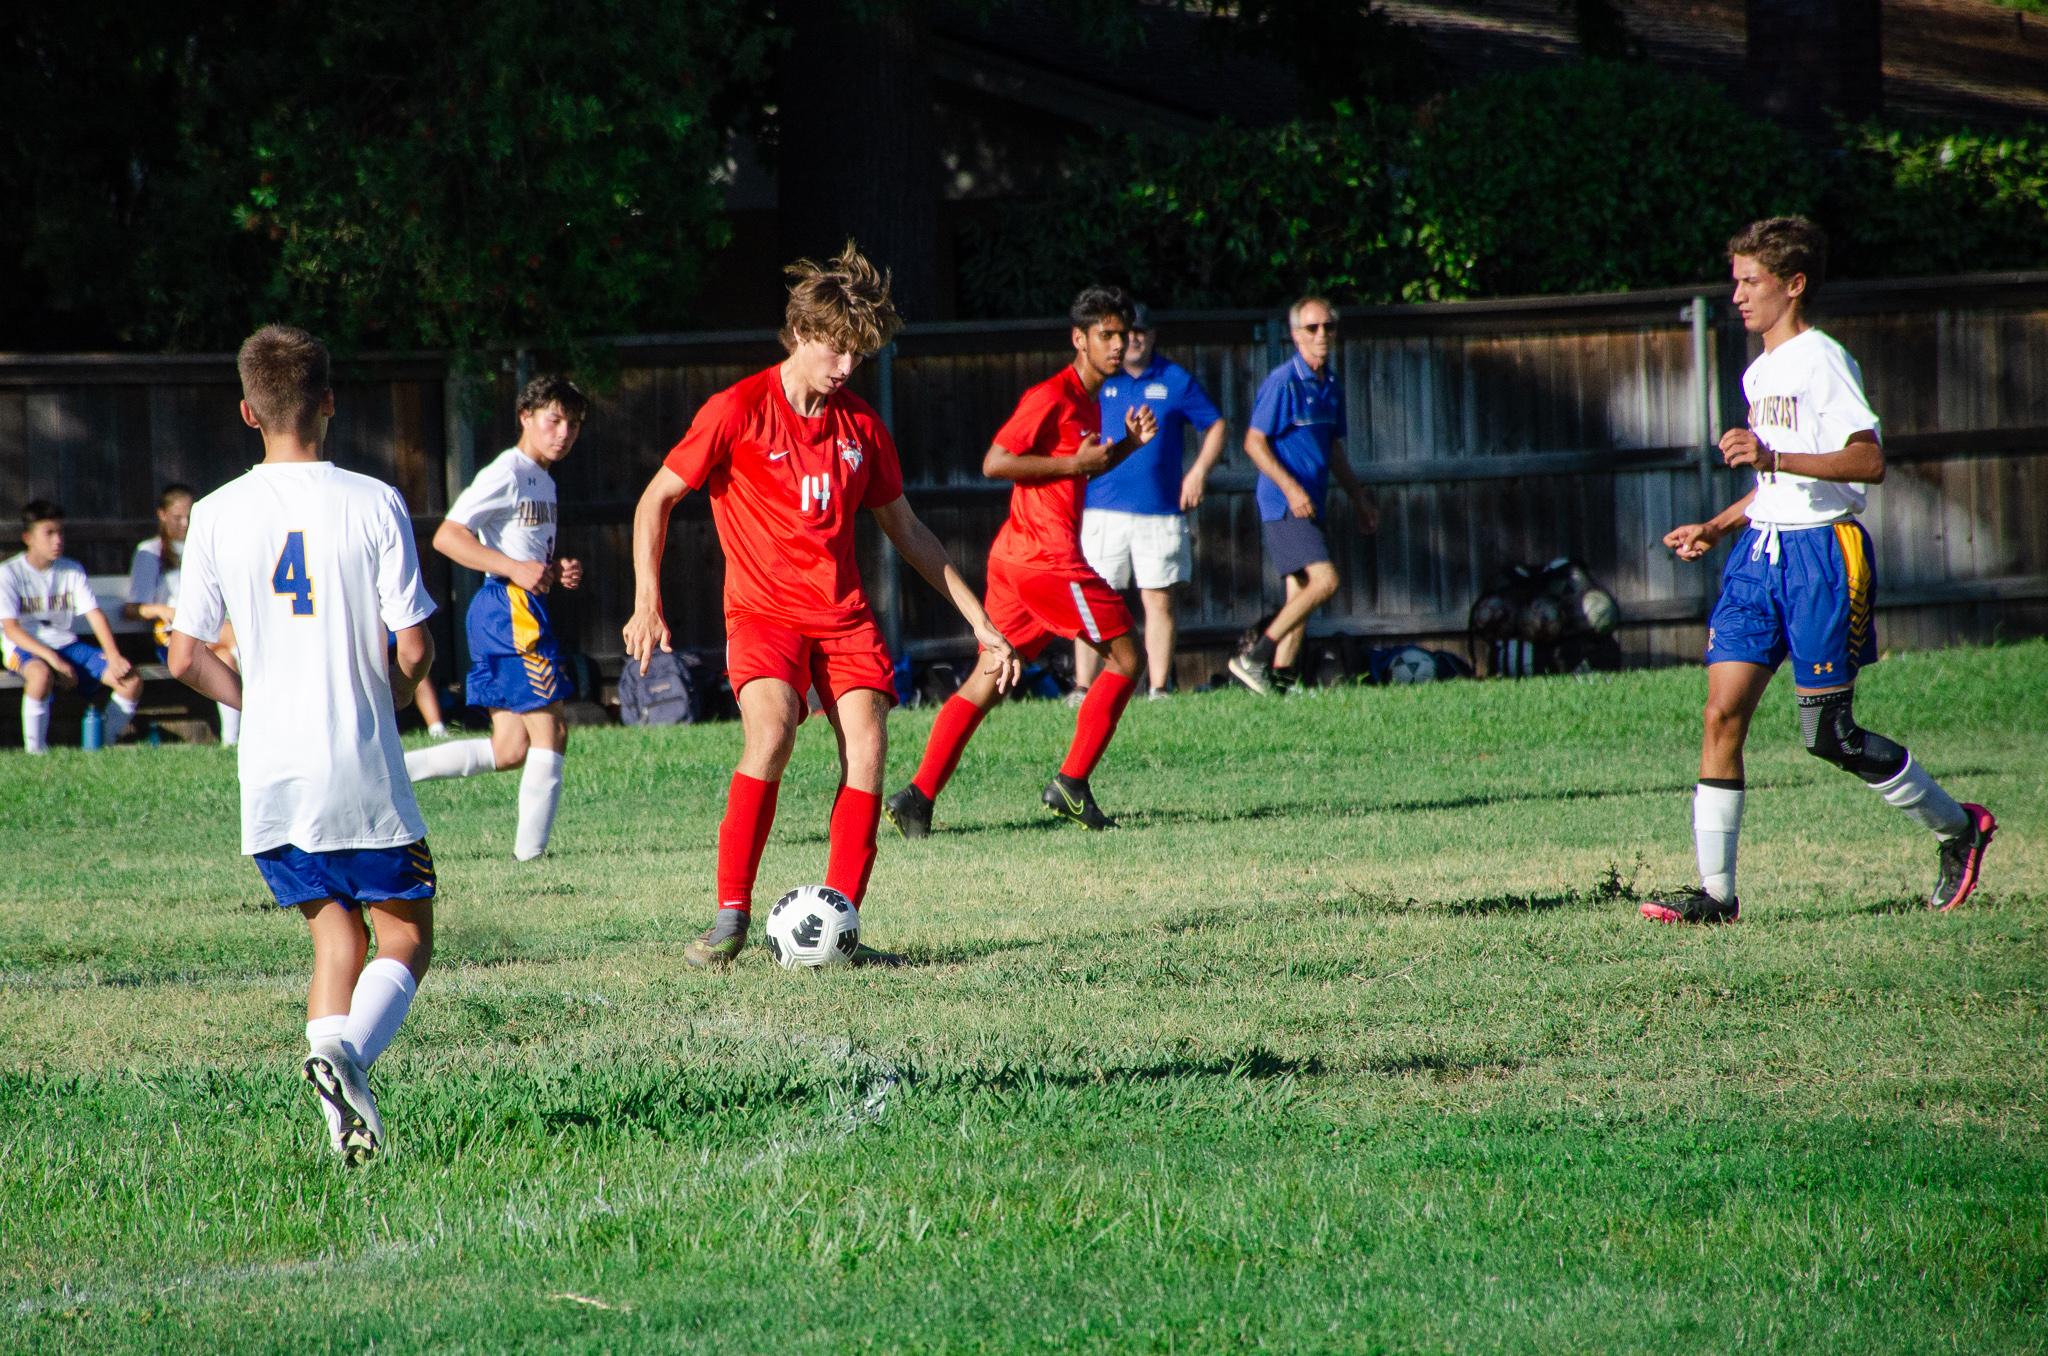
x=1492, y=432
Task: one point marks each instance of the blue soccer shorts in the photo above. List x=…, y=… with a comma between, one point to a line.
x=1812, y=601
x=514, y=662
x=87, y=659
x=351, y=876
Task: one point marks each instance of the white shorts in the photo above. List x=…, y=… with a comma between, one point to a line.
x=1151, y=548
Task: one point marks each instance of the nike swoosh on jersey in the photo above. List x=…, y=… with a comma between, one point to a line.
x=778, y=456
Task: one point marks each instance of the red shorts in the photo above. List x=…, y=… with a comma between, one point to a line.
x=1030, y=607
x=756, y=647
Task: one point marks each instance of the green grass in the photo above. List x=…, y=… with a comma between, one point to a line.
x=1350, y=1040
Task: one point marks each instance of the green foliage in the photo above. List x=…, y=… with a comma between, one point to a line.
x=1593, y=178
x=1234, y=218
x=1596, y=177
x=448, y=175
x=1922, y=202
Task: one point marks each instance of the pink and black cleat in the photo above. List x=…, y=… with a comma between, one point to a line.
x=1692, y=906
x=1962, y=860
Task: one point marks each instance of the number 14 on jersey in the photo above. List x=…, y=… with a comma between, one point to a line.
x=290, y=576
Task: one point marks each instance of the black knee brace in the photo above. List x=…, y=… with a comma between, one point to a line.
x=1829, y=729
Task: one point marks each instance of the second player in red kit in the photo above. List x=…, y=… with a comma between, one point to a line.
x=1040, y=586
x=788, y=457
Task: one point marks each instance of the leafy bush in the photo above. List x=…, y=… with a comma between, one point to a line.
x=1913, y=203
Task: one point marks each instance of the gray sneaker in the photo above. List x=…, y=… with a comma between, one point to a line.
x=722, y=942
x=343, y=1086
x=1254, y=675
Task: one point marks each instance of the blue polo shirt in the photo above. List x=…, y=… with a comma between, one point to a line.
x=1301, y=413
x=1148, y=481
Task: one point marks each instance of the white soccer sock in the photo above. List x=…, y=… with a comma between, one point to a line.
x=463, y=758
x=1924, y=802
x=1716, y=822
x=540, y=791
x=120, y=711
x=35, y=724
x=230, y=725
x=383, y=993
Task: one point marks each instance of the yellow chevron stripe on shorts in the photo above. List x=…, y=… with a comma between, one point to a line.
x=1857, y=565
x=525, y=626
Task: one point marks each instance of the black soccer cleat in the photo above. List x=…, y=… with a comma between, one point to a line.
x=721, y=943
x=1692, y=906
x=910, y=810
x=1962, y=860
x=1070, y=798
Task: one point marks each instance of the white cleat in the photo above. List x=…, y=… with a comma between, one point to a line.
x=345, y=1091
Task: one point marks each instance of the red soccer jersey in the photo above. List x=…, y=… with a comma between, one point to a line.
x=1043, y=531
x=784, y=491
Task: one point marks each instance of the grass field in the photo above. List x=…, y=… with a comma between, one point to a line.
x=1350, y=1040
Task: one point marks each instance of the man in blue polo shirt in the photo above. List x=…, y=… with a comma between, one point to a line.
x=1296, y=439
x=1134, y=527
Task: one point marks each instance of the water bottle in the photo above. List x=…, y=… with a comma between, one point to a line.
x=95, y=728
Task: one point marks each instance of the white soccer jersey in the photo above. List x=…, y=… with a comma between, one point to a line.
x=1806, y=395
x=511, y=507
x=45, y=602
x=312, y=564
x=148, y=580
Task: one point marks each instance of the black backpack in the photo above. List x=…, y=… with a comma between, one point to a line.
x=664, y=695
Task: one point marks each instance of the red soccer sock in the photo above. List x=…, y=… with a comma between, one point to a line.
x=1104, y=707
x=852, y=859
x=742, y=834
x=957, y=721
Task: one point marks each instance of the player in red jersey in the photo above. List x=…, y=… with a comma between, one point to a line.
x=787, y=456
x=1039, y=584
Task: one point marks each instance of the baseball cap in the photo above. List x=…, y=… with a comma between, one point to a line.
x=1141, y=316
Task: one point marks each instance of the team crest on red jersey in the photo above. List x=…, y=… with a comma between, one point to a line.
x=850, y=453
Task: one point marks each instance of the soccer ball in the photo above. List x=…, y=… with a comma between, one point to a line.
x=813, y=925
x=1412, y=665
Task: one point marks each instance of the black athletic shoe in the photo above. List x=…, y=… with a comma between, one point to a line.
x=1250, y=672
x=1962, y=860
x=1070, y=798
x=722, y=942
x=1692, y=906
x=910, y=810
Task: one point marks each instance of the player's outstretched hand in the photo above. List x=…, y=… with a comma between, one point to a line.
x=645, y=631
x=1691, y=541
x=1141, y=423
x=569, y=571
x=998, y=658
x=1740, y=447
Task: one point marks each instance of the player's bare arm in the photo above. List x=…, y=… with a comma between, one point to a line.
x=1690, y=541
x=916, y=544
x=1363, y=505
x=21, y=638
x=1861, y=460
x=646, y=630
x=413, y=656
x=193, y=663
x=1259, y=448
x=460, y=545
x=1195, y=483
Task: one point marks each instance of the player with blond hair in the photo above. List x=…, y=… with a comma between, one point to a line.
x=787, y=456
x=1800, y=582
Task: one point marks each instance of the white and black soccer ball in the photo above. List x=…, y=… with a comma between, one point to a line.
x=815, y=926
x=1412, y=665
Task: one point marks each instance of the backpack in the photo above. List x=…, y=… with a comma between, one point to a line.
x=664, y=695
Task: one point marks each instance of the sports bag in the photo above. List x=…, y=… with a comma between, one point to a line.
x=664, y=695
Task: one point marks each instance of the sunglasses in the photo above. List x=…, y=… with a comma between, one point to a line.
x=1317, y=329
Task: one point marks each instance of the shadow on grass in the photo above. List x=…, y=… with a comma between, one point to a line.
x=1257, y=1064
